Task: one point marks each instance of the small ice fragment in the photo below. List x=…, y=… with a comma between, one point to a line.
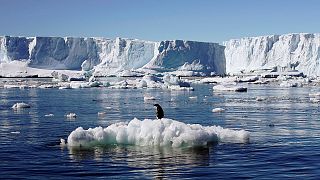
x=62, y=142
x=20, y=105
x=314, y=100
x=260, y=98
x=149, y=98
x=71, y=115
x=229, y=88
x=15, y=132
x=218, y=110
x=101, y=113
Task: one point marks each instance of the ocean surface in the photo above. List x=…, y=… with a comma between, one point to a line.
x=284, y=134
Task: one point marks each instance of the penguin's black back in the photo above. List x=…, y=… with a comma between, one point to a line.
x=159, y=111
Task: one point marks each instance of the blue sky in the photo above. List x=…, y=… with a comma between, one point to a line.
x=201, y=20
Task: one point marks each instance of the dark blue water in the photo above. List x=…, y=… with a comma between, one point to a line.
x=284, y=131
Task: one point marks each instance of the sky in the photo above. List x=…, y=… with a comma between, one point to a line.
x=156, y=20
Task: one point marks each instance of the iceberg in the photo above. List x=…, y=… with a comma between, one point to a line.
x=158, y=132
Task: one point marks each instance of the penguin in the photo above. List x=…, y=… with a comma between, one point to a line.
x=159, y=111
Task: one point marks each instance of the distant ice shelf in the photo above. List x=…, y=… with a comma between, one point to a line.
x=282, y=53
x=289, y=54
x=107, y=57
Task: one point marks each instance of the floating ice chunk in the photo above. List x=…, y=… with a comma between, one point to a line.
x=101, y=113
x=15, y=132
x=314, y=100
x=218, y=110
x=71, y=115
x=65, y=87
x=129, y=73
x=9, y=86
x=95, y=84
x=149, y=98
x=170, y=80
x=59, y=77
x=163, y=132
x=289, y=84
x=62, y=142
x=121, y=85
x=49, y=115
x=179, y=88
x=249, y=79
x=229, y=88
x=315, y=94
x=218, y=80
x=20, y=105
x=259, y=82
x=184, y=73
x=46, y=86
x=261, y=98
x=314, y=97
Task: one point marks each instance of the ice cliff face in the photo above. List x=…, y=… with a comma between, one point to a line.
x=123, y=54
x=189, y=56
x=49, y=52
x=109, y=56
x=285, y=52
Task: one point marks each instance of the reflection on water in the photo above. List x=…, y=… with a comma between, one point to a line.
x=152, y=161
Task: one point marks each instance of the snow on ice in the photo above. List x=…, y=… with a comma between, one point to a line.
x=148, y=132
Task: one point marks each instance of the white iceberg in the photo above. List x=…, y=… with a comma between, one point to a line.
x=21, y=105
x=163, y=132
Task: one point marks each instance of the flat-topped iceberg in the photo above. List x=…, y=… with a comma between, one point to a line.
x=282, y=53
x=106, y=57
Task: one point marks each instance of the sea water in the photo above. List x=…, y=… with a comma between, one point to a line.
x=283, y=123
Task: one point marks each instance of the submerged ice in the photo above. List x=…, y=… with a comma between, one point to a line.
x=148, y=132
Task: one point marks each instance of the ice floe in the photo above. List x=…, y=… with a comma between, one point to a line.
x=71, y=115
x=218, y=110
x=49, y=115
x=229, y=88
x=21, y=105
x=148, y=132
